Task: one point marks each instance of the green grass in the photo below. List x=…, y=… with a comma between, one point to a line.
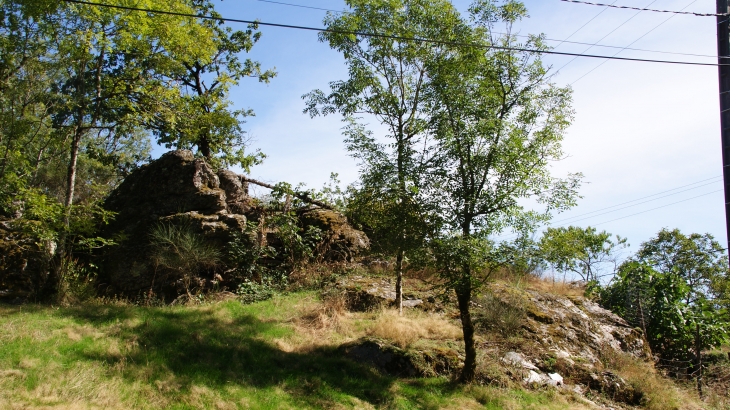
x=224, y=355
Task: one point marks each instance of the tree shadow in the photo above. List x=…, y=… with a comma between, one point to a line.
x=200, y=347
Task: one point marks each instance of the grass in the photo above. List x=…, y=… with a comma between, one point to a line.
x=220, y=356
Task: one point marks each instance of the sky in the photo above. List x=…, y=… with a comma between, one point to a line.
x=646, y=136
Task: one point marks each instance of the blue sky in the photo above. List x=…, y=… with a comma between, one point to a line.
x=639, y=129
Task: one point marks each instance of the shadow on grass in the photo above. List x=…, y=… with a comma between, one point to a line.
x=200, y=347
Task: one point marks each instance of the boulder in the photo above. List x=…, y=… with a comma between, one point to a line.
x=363, y=294
x=574, y=327
x=181, y=191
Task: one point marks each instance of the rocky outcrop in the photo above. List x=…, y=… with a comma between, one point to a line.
x=572, y=326
x=342, y=241
x=182, y=191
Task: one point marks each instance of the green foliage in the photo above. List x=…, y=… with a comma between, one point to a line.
x=463, y=262
x=250, y=292
x=521, y=256
x=248, y=255
x=272, y=248
x=388, y=81
x=80, y=87
x=585, y=252
x=197, y=112
x=666, y=289
x=78, y=282
x=178, y=251
x=498, y=123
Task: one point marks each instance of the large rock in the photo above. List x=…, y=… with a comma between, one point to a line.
x=181, y=191
x=178, y=190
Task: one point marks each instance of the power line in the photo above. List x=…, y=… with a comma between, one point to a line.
x=642, y=198
x=625, y=48
x=300, y=5
x=659, y=207
x=633, y=42
x=581, y=27
x=512, y=236
x=378, y=35
x=645, y=9
x=611, y=32
x=566, y=40
x=572, y=220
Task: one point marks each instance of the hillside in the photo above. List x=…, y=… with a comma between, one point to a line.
x=300, y=350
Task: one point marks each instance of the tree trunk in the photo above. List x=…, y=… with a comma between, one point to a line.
x=698, y=356
x=204, y=147
x=463, y=296
x=399, y=281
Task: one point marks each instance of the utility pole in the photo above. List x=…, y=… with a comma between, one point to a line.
x=723, y=51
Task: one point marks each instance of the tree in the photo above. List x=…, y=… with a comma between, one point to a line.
x=387, y=81
x=196, y=112
x=698, y=259
x=668, y=290
x=75, y=80
x=499, y=123
x=581, y=251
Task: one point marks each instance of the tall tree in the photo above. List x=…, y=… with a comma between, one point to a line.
x=197, y=111
x=499, y=124
x=387, y=81
x=95, y=64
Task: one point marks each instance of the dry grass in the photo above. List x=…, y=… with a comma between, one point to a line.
x=407, y=329
x=555, y=287
x=659, y=393
x=327, y=316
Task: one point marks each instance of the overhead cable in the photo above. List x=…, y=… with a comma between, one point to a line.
x=581, y=27
x=300, y=5
x=646, y=9
x=572, y=219
x=611, y=32
x=644, y=199
x=633, y=42
x=659, y=207
x=378, y=35
x=566, y=40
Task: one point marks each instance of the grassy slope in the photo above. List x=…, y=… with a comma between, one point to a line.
x=222, y=355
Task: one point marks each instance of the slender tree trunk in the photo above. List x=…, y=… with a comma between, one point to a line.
x=403, y=200
x=698, y=352
x=463, y=296
x=643, y=323
x=399, y=281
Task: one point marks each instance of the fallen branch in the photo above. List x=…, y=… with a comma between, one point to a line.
x=304, y=196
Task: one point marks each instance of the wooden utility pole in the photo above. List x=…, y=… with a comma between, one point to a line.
x=723, y=51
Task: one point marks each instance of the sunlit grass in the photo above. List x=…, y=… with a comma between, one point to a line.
x=221, y=356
